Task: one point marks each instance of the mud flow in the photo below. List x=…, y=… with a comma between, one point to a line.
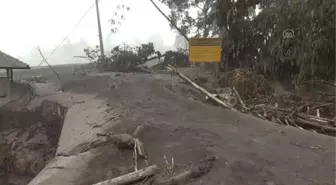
x=28, y=140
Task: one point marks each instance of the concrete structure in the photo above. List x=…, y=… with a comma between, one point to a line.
x=10, y=63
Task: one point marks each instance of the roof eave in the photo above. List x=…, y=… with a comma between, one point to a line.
x=26, y=67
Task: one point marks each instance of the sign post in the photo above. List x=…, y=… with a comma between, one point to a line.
x=205, y=50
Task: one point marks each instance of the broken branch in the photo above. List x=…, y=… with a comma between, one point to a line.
x=211, y=96
x=135, y=156
x=44, y=59
x=239, y=98
x=122, y=141
x=130, y=177
x=195, y=172
x=316, y=126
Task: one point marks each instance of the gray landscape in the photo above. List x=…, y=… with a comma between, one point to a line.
x=261, y=111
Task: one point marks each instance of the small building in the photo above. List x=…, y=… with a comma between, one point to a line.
x=10, y=63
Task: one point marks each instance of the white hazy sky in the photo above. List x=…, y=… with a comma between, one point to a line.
x=26, y=24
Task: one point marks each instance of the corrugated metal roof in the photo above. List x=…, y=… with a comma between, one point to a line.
x=7, y=61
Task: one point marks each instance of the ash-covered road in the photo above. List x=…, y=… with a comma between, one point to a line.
x=250, y=151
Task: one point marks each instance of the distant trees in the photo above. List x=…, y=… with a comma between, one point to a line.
x=126, y=58
x=121, y=58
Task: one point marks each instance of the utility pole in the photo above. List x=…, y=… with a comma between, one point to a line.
x=170, y=21
x=100, y=33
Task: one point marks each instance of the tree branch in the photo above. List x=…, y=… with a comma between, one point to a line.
x=39, y=50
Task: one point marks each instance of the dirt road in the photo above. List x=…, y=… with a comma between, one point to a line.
x=251, y=151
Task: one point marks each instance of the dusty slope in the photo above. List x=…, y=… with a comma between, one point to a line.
x=250, y=151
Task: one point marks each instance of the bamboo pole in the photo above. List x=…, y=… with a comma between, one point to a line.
x=202, y=90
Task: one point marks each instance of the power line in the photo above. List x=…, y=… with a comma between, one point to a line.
x=170, y=21
x=66, y=37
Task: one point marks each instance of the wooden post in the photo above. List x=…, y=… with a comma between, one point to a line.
x=11, y=75
x=217, y=70
x=7, y=72
x=9, y=88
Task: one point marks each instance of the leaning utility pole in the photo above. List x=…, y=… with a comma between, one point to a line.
x=170, y=21
x=100, y=33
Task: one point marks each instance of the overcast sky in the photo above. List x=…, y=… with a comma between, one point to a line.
x=26, y=24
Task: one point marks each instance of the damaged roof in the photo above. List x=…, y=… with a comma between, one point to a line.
x=9, y=62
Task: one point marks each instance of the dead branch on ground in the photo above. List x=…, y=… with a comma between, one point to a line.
x=213, y=97
x=131, y=177
x=138, y=130
x=196, y=171
x=135, y=156
x=121, y=141
x=239, y=98
x=170, y=167
x=299, y=112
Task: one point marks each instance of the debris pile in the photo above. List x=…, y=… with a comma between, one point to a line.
x=256, y=97
x=143, y=173
x=249, y=84
x=28, y=140
x=315, y=114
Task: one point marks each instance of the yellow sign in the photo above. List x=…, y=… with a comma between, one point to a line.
x=205, y=50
